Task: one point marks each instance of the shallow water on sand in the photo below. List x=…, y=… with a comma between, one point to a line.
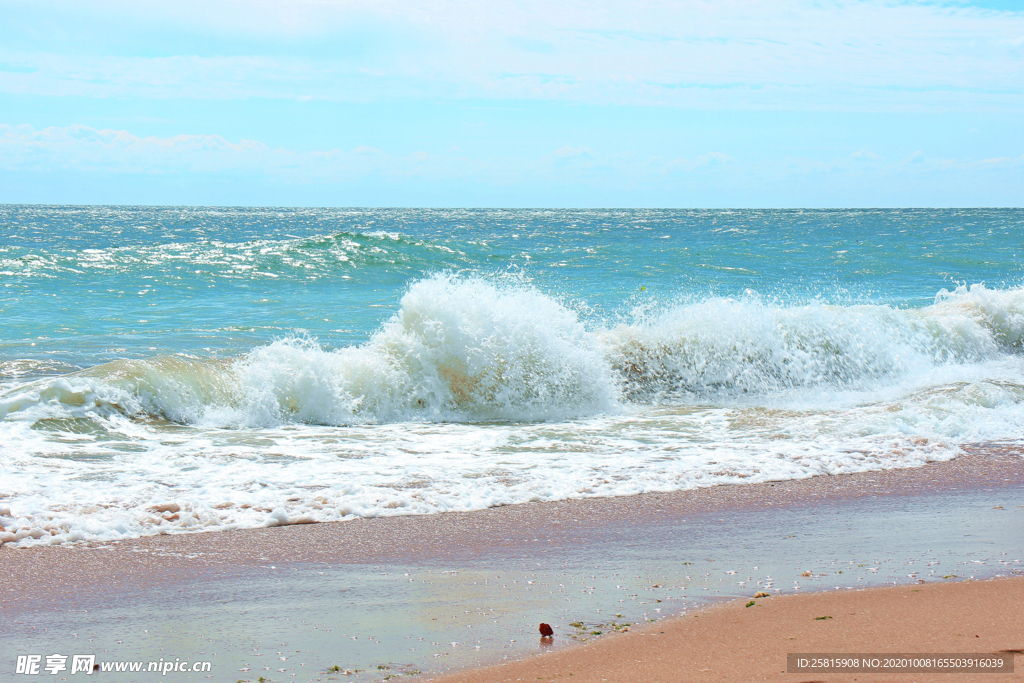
x=434, y=615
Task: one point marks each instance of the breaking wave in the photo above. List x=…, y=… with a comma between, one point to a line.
x=469, y=350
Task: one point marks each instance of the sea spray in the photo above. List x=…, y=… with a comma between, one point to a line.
x=154, y=378
x=469, y=350
x=458, y=350
x=722, y=347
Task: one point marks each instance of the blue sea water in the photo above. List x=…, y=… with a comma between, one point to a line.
x=167, y=369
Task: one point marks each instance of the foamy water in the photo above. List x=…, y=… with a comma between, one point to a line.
x=476, y=389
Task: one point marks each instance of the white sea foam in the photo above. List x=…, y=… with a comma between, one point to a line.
x=459, y=350
x=478, y=394
x=728, y=347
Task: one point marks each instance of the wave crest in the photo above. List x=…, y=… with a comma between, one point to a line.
x=458, y=350
x=745, y=346
x=469, y=350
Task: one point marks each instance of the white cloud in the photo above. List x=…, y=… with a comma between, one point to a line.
x=81, y=149
x=865, y=155
x=766, y=54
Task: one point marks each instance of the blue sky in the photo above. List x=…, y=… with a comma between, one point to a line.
x=513, y=103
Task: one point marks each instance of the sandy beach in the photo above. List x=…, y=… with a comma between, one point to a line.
x=732, y=642
x=454, y=592
x=514, y=341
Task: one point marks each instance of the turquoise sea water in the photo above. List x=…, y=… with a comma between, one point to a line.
x=167, y=369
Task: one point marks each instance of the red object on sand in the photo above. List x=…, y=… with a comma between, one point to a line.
x=545, y=630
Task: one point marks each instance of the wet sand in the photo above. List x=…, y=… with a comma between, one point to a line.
x=461, y=590
x=733, y=642
x=42, y=572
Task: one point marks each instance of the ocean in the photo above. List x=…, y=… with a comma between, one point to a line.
x=181, y=369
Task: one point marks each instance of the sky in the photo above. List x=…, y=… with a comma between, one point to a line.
x=513, y=103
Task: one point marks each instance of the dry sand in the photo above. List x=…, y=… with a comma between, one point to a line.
x=731, y=642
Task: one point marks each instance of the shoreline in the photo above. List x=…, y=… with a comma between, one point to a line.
x=715, y=644
x=458, y=534
x=982, y=466
x=494, y=571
